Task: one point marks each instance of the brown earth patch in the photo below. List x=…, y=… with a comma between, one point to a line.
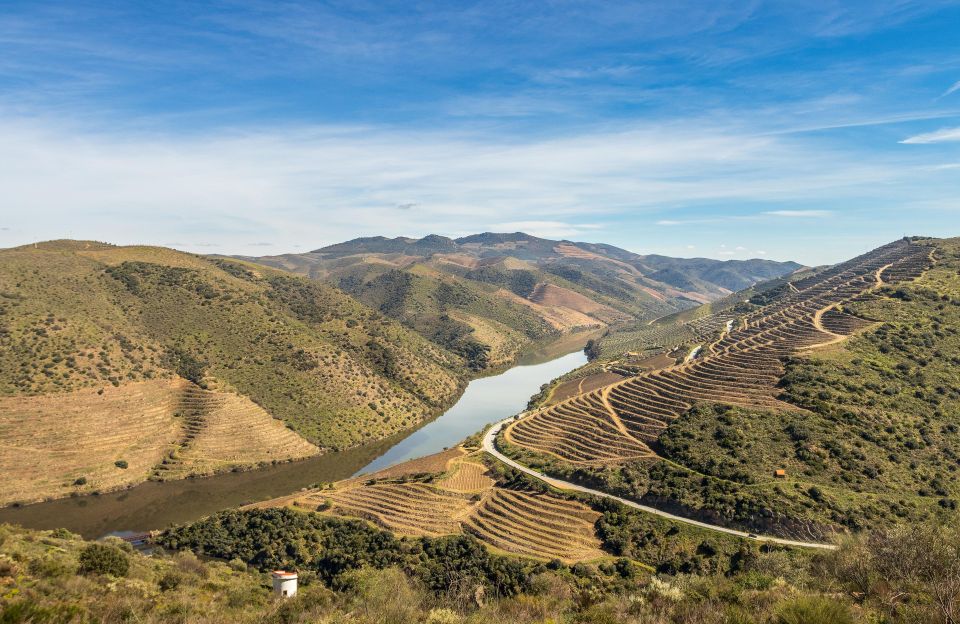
x=48, y=442
x=573, y=387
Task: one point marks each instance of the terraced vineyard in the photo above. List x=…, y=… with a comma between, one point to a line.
x=618, y=422
x=535, y=524
x=405, y=508
x=223, y=431
x=465, y=499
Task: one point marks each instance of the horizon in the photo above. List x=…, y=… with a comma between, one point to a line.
x=730, y=131
x=375, y=236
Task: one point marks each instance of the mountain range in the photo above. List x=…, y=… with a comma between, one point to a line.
x=487, y=296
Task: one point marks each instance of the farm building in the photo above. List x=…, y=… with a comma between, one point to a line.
x=284, y=583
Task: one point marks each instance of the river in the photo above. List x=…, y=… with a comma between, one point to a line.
x=153, y=505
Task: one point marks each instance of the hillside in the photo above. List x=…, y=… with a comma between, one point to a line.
x=488, y=295
x=826, y=403
x=119, y=364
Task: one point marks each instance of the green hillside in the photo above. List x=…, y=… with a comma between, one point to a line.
x=865, y=429
x=79, y=315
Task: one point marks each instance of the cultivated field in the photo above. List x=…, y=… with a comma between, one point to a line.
x=223, y=431
x=740, y=367
x=463, y=498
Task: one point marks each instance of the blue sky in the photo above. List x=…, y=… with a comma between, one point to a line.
x=808, y=131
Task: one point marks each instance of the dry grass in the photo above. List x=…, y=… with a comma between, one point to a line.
x=573, y=387
x=466, y=476
x=165, y=428
x=50, y=441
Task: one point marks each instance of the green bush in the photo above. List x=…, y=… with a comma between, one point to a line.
x=104, y=559
x=121, y=463
x=813, y=610
x=171, y=580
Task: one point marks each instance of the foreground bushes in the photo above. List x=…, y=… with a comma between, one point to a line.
x=903, y=576
x=104, y=559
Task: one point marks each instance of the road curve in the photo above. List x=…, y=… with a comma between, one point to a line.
x=489, y=446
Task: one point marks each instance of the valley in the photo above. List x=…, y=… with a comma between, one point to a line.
x=488, y=296
x=770, y=427
x=657, y=440
x=157, y=504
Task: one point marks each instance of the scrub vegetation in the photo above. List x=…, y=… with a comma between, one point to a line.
x=351, y=572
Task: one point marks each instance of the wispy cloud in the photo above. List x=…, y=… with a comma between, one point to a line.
x=798, y=214
x=325, y=184
x=547, y=229
x=953, y=89
x=937, y=136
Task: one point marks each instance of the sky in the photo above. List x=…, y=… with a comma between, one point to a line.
x=808, y=131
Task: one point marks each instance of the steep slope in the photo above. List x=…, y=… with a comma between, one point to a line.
x=824, y=403
x=488, y=295
x=122, y=363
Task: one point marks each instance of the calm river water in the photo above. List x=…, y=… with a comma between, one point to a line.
x=154, y=505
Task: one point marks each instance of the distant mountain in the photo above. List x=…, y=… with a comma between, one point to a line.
x=486, y=296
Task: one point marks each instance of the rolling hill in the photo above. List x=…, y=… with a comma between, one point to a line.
x=824, y=403
x=119, y=364
x=487, y=296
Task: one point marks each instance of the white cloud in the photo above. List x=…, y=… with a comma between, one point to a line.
x=938, y=136
x=952, y=89
x=321, y=185
x=798, y=214
x=761, y=252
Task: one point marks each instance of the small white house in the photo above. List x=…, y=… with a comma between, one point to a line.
x=284, y=583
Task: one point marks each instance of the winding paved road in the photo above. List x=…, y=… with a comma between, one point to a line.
x=489, y=446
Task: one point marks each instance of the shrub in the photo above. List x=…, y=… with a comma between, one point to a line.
x=813, y=610
x=170, y=580
x=80, y=481
x=121, y=463
x=104, y=559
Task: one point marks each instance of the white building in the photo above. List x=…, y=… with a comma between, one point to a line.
x=284, y=583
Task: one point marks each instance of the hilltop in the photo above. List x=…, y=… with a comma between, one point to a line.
x=119, y=364
x=487, y=296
